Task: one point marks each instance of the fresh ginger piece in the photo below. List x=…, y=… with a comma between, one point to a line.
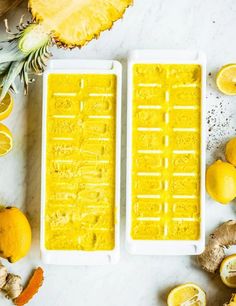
x=31, y=289
x=232, y=301
x=13, y=286
x=3, y=275
x=223, y=237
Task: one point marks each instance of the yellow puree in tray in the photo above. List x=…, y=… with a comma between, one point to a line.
x=166, y=152
x=80, y=162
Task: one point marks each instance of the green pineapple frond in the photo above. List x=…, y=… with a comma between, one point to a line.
x=25, y=53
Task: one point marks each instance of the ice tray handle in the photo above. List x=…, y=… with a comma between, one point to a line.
x=74, y=64
x=169, y=56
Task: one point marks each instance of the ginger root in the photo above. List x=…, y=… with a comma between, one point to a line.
x=223, y=237
x=13, y=286
x=3, y=275
x=232, y=301
x=10, y=285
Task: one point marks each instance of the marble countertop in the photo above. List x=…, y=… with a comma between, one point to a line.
x=136, y=280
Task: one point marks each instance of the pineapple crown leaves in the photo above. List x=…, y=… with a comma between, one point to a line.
x=25, y=52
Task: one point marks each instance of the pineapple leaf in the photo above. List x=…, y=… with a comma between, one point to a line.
x=13, y=87
x=25, y=78
x=4, y=67
x=10, y=52
x=8, y=80
x=27, y=51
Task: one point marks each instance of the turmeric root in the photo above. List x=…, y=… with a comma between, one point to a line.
x=31, y=289
x=223, y=237
x=232, y=301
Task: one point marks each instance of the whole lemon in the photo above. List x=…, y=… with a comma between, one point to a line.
x=15, y=234
x=221, y=181
x=230, y=151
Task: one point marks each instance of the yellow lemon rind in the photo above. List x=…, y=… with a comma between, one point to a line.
x=217, y=178
x=201, y=293
x=219, y=78
x=223, y=271
x=6, y=132
x=230, y=151
x=6, y=113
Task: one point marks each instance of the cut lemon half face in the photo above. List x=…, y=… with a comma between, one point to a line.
x=226, y=79
x=6, y=106
x=228, y=271
x=186, y=295
x=5, y=140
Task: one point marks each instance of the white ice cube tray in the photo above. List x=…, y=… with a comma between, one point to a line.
x=74, y=257
x=161, y=246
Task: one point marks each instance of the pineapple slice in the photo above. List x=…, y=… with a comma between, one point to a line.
x=76, y=22
x=69, y=23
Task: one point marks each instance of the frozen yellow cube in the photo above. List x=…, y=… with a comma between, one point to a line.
x=166, y=138
x=80, y=162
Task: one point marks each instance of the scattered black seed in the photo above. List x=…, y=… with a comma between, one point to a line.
x=219, y=121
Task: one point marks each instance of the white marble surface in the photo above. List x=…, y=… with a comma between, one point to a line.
x=137, y=280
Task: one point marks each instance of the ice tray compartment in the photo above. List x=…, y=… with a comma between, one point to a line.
x=164, y=155
x=80, y=200
x=171, y=129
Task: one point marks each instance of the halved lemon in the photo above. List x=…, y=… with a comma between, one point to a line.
x=226, y=79
x=228, y=271
x=5, y=140
x=187, y=294
x=6, y=106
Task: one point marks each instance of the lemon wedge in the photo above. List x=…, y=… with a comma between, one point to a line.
x=226, y=79
x=228, y=271
x=6, y=106
x=5, y=140
x=187, y=294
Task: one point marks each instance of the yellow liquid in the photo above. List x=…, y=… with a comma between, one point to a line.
x=80, y=162
x=166, y=152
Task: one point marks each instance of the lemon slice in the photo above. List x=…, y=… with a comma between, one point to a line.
x=6, y=106
x=226, y=79
x=228, y=271
x=5, y=140
x=186, y=295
